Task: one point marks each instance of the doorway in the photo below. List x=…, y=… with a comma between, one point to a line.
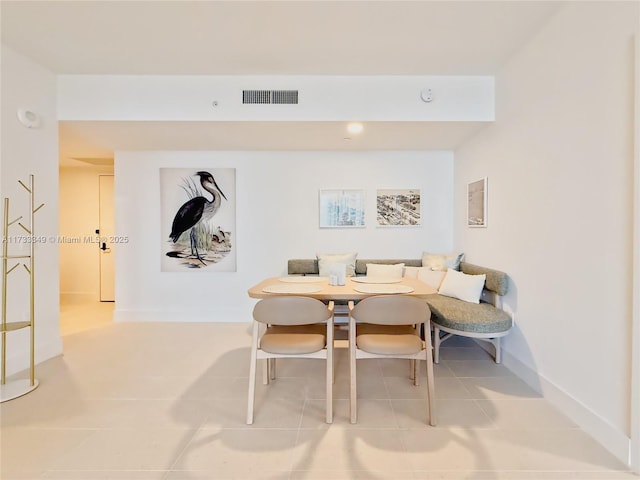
x=81, y=184
x=105, y=233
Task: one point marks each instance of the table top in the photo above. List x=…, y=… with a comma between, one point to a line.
x=324, y=291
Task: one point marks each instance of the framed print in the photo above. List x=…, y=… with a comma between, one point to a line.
x=398, y=208
x=198, y=219
x=341, y=208
x=477, y=203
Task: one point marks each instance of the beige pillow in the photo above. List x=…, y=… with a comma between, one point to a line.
x=464, y=287
x=386, y=271
x=438, y=261
x=411, y=272
x=432, y=278
x=325, y=260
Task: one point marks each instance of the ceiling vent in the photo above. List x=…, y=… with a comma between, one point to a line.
x=289, y=97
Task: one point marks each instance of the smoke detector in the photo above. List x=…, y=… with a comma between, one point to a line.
x=28, y=118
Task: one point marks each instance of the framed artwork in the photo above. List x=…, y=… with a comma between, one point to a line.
x=341, y=208
x=198, y=219
x=477, y=203
x=398, y=208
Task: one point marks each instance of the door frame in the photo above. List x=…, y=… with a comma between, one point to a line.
x=634, y=454
x=100, y=254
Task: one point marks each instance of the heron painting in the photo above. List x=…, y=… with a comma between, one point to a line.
x=198, y=217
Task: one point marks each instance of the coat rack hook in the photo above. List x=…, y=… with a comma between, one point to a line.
x=11, y=223
x=25, y=187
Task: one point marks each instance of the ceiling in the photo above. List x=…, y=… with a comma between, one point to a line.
x=268, y=38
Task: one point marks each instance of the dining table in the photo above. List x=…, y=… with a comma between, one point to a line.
x=354, y=288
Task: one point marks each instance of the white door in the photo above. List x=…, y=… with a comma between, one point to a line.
x=105, y=234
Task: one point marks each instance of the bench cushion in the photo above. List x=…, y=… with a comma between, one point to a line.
x=468, y=317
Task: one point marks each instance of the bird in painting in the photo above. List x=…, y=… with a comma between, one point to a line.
x=196, y=210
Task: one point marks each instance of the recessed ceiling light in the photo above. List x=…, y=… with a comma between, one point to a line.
x=354, y=127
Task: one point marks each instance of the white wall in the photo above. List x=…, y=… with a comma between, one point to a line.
x=321, y=98
x=559, y=160
x=79, y=218
x=24, y=152
x=276, y=219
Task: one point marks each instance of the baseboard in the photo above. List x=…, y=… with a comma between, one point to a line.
x=216, y=316
x=602, y=431
x=78, y=297
x=20, y=361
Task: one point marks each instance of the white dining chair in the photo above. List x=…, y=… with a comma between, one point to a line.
x=388, y=326
x=291, y=327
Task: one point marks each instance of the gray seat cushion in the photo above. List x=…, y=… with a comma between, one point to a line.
x=468, y=317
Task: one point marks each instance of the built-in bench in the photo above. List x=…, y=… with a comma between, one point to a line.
x=485, y=321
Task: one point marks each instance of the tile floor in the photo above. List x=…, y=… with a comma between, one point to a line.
x=162, y=401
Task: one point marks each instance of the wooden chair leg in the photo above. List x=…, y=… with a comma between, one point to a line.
x=252, y=392
x=353, y=414
x=333, y=363
x=330, y=374
x=353, y=394
x=333, y=372
x=430, y=389
x=272, y=369
x=252, y=377
x=416, y=369
x=329, y=389
x=265, y=371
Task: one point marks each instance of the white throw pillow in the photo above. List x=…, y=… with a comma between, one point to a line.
x=464, y=287
x=438, y=261
x=386, y=271
x=325, y=260
x=432, y=278
x=411, y=272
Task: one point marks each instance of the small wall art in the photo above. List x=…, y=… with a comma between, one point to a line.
x=341, y=208
x=477, y=203
x=398, y=208
x=198, y=220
